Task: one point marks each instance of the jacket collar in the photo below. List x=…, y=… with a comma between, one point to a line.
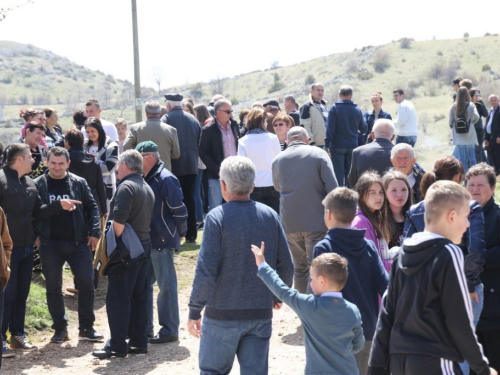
x=131, y=176
x=312, y=101
x=156, y=170
x=11, y=172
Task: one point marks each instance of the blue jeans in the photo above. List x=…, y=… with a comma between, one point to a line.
x=408, y=139
x=267, y=195
x=127, y=305
x=341, y=160
x=222, y=340
x=161, y=269
x=17, y=290
x=53, y=254
x=198, y=203
x=466, y=154
x=214, y=194
x=477, y=308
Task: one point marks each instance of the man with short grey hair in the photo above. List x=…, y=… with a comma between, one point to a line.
x=226, y=284
x=314, y=115
x=185, y=168
x=164, y=135
x=375, y=155
x=131, y=211
x=219, y=140
x=403, y=159
x=303, y=176
x=345, y=122
x=210, y=106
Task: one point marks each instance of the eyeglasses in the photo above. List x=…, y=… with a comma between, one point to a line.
x=279, y=124
x=229, y=111
x=477, y=94
x=144, y=155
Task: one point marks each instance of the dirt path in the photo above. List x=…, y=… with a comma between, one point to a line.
x=287, y=355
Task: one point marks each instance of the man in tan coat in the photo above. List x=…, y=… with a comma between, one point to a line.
x=164, y=135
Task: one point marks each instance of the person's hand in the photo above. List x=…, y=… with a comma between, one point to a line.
x=69, y=204
x=493, y=371
x=194, y=327
x=259, y=253
x=93, y=243
x=486, y=143
x=104, y=215
x=474, y=297
x=498, y=140
x=277, y=305
x=37, y=242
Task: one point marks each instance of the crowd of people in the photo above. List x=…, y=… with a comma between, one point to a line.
x=387, y=273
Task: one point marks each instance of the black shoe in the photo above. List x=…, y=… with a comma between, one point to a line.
x=107, y=353
x=161, y=339
x=60, y=335
x=90, y=334
x=136, y=350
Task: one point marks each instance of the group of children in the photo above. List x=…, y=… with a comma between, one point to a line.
x=425, y=320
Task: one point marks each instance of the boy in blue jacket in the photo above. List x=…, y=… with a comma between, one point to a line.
x=368, y=278
x=332, y=325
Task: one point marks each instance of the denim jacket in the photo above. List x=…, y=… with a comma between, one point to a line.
x=169, y=222
x=472, y=241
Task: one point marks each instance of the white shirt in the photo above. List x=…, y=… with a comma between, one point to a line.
x=109, y=129
x=407, y=119
x=261, y=149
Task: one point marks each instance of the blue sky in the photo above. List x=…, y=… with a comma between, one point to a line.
x=193, y=41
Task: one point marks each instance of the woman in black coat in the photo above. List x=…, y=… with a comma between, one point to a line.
x=481, y=181
x=475, y=95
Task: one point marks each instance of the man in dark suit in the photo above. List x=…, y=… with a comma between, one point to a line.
x=376, y=155
x=492, y=141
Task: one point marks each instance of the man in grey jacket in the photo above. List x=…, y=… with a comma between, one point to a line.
x=185, y=168
x=304, y=176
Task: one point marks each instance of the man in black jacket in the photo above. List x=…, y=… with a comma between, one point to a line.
x=219, y=140
x=66, y=237
x=20, y=200
x=492, y=141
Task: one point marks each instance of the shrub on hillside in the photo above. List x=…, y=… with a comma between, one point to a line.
x=309, y=79
x=276, y=86
x=405, y=43
x=486, y=67
x=381, y=60
x=365, y=75
x=436, y=71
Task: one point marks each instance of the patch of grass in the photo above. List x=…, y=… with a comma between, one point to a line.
x=37, y=312
x=185, y=262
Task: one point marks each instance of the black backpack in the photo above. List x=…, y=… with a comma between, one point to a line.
x=462, y=125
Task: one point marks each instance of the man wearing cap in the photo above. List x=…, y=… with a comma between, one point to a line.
x=218, y=141
x=169, y=224
x=272, y=107
x=314, y=116
x=185, y=168
x=164, y=135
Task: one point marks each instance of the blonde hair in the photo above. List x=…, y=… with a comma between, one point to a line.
x=442, y=197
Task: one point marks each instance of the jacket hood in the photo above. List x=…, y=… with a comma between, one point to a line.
x=80, y=159
x=418, y=250
x=350, y=240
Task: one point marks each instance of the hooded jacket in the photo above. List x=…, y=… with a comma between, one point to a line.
x=367, y=276
x=83, y=165
x=472, y=241
x=427, y=309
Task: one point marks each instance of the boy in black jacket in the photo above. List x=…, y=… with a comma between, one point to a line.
x=425, y=325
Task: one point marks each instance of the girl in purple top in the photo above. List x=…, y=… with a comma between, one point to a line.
x=372, y=214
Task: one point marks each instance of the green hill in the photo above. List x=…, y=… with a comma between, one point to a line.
x=30, y=76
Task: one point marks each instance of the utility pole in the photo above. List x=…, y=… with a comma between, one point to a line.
x=137, y=74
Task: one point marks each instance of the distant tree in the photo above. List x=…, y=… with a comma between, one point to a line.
x=466, y=35
x=405, y=43
x=310, y=79
x=157, y=74
x=197, y=91
x=275, y=65
x=4, y=11
x=216, y=85
x=277, y=84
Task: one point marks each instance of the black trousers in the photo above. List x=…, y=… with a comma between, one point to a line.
x=187, y=185
x=490, y=340
x=494, y=156
x=416, y=364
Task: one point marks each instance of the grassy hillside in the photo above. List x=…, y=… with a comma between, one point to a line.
x=423, y=69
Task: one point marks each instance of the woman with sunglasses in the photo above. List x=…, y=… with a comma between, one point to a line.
x=475, y=95
x=282, y=124
x=261, y=147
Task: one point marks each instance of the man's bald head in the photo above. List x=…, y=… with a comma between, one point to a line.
x=383, y=128
x=297, y=133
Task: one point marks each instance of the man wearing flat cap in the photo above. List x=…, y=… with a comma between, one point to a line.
x=272, y=107
x=185, y=168
x=169, y=224
x=164, y=135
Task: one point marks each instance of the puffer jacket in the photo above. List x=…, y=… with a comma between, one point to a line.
x=169, y=221
x=472, y=244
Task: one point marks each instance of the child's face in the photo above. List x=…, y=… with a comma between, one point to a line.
x=122, y=130
x=397, y=193
x=460, y=223
x=316, y=283
x=375, y=197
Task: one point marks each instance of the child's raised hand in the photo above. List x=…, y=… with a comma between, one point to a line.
x=259, y=253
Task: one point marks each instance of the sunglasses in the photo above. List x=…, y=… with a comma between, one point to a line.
x=229, y=111
x=279, y=124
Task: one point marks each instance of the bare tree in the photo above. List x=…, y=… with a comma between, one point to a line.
x=4, y=11
x=216, y=85
x=158, y=75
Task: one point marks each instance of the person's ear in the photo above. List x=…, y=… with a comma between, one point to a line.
x=451, y=216
x=373, y=135
x=393, y=137
x=322, y=280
